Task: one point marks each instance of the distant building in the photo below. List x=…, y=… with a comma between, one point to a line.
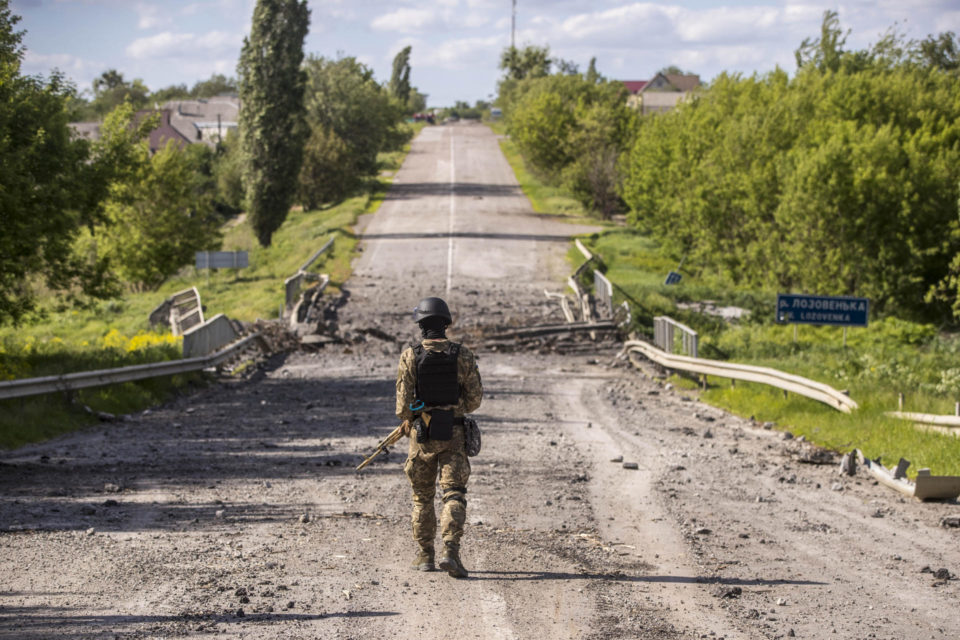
x=663, y=93
x=206, y=120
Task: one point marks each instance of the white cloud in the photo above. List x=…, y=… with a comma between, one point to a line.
x=152, y=16
x=184, y=45
x=405, y=20
x=463, y=52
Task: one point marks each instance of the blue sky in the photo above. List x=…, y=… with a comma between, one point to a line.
x=456, y=43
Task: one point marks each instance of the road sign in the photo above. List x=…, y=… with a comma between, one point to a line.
x=672, y=278
x=222, y=259
x=841, y=311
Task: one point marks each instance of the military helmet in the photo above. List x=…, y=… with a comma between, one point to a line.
x=432, y=308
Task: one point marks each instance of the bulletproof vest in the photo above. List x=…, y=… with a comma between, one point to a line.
x=437, y=375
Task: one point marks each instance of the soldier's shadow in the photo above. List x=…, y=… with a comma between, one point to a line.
x=621, y=577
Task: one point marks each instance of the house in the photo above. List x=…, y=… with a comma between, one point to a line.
x=663, y=93
x=205, y=120
x=164, y=132
x=157, y=139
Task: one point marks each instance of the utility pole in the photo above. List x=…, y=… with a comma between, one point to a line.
x=513, y=26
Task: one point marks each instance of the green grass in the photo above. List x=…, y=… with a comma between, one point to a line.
x=115, y=333
x=890, y=356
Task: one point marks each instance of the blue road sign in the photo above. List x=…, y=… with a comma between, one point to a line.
x=841, y=311
x=672, y=278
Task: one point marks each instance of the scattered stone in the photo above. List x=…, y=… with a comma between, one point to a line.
x=111, y=488
x=767, y=425
x=703, y=531
x=241, y=591
x=110, y=503
x=91, y=531
x=950, y=521
x=219, y=513
x=744, y=536
x=346, y=593
x=787, y=435
x=942, y=574
x=291, y=604
x=801, y=438
x=617, y=459
x=630, y=465
x=836, y=486
x=708, y=434
x=791, y=634
x=240, y=613
x=87, y=510
x=244, y=599
x=553, y=443
x=781, y=602
x=729, y=592
x=304, y=518
x=877, y=514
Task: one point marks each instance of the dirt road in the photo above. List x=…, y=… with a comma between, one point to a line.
x=235, y=511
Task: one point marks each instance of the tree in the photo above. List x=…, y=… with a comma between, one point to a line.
x=400, y=79
x=228, y=173
x=593, y=76
x=417, y=102
x=825, y=52
x=156, y=221
x=217, y=84
x=327, y=174
x=52, y=186
x=110, y=90
x=271, y=120
x=530, y=62
x=343, y=97
x=941, y=52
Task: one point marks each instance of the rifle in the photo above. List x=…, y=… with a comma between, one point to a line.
x=395, y=435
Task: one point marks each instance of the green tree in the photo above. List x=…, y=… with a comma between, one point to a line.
x=342, y=97
x=110, y=90
x=52, y=186
x=593, y=76
x=840, y=180
x=941, y=51
x=271, y=121
x=417, y=102
x=530, y=62
x=400, y=79
x=157, y=220
x=228, y=174
x=173, y=92
x=217, y=84
x=327, y=174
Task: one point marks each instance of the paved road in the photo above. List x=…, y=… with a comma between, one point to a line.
x=235, y=512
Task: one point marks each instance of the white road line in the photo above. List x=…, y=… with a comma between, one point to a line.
x=453, y=208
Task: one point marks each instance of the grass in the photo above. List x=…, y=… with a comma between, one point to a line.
x=890, y=356
x=115, y=333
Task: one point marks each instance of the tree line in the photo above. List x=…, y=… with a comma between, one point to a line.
x=85, y=220
x=840, y=179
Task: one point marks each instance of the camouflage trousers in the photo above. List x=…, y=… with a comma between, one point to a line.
x=425, y=462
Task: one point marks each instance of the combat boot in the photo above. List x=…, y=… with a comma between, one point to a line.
x=450, y=562
x=424, y=561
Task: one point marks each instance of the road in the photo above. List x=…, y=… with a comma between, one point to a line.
x=235, y=512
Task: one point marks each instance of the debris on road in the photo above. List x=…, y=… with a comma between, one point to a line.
x=926, y=486
x=630, y=465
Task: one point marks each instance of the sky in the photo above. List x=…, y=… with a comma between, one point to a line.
x=456, y=43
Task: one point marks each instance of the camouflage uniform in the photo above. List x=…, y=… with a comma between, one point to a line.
x=447, y=458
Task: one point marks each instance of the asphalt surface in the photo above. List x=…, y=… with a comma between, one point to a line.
x=235, y=512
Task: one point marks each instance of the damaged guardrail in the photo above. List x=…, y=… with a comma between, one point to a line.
x=103, y=377
x=925, y=487
x=748, y=373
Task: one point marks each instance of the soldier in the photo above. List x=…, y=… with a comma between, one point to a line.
x=437, y=384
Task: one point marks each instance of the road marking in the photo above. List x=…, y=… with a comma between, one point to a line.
x=453, y=208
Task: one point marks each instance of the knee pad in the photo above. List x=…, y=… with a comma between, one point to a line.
x=455, y=493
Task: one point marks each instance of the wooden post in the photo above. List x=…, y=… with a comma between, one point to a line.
x=844, y=337
x=784, y=394
x=733, y=385
x=899, y=402
x=956, y=409
x=794, y=333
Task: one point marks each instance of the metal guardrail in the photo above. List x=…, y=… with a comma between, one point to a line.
x=603, y=292
x=664, y=330
x=293, y=285
x=748, y=373
x=926, y=418
x=180, y=312
x=103, y=377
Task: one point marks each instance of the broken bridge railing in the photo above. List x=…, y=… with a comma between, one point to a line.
x=748, y=373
